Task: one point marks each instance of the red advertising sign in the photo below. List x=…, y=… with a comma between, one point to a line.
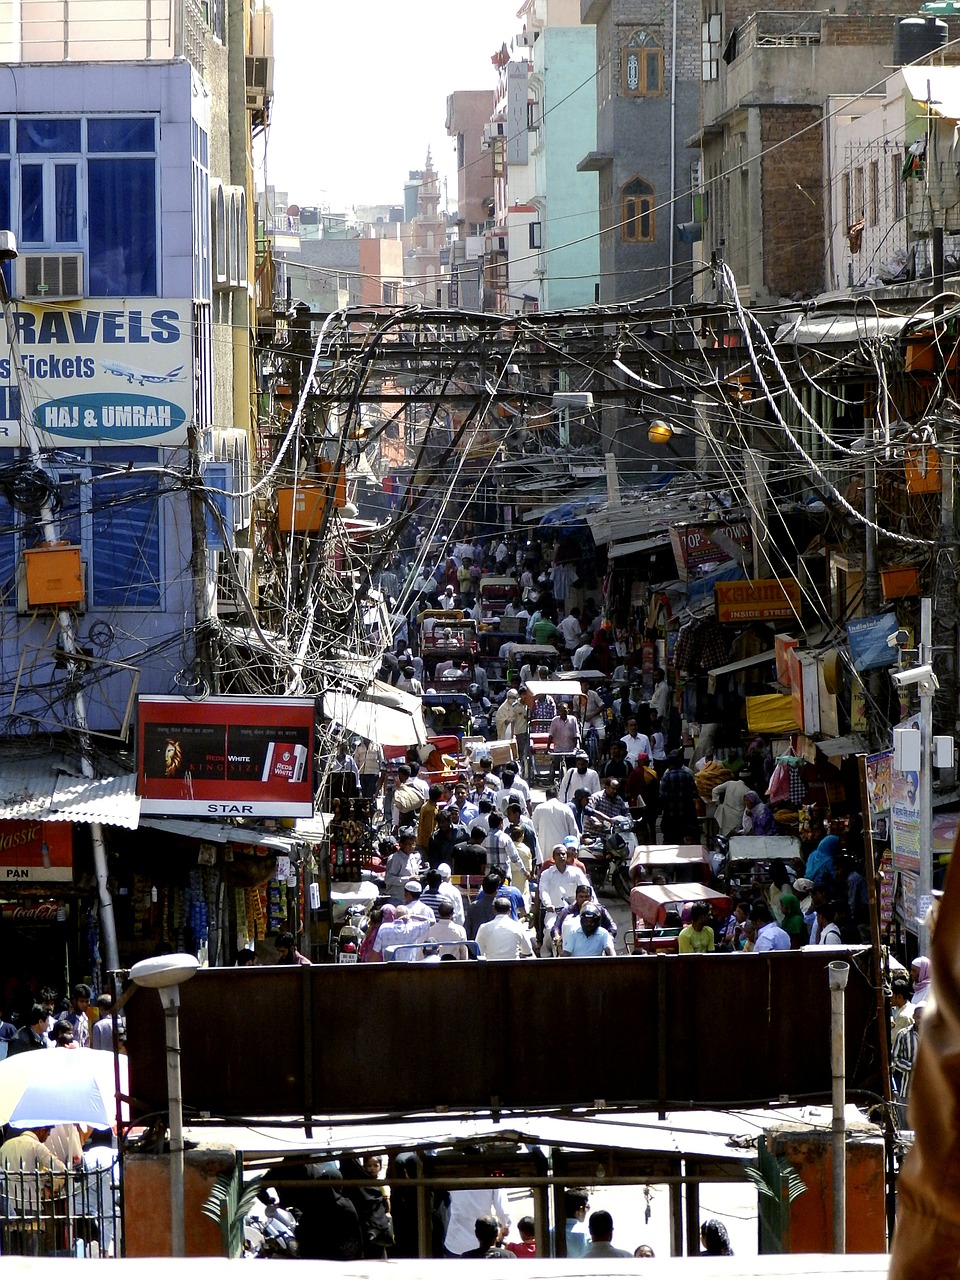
x=34, y=912
x=31, y=851
x=226, y=757
x=694, y=547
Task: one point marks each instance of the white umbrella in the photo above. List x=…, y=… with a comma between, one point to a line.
x=60, y=1086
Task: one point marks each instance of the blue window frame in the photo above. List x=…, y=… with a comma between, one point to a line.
x=122, y=227
x=87, y=184
x=126, y=542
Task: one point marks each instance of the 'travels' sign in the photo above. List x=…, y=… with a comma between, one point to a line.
x=102, y=371
x=758, y=600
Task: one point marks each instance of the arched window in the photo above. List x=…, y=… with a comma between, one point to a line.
x=641, y=66
x=637, y=212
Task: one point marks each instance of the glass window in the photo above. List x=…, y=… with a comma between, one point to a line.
x=48, y=134
x=122, y=227
x=126, y=542
x=5, y=137
x=66, y=203
x=31, y=203
x=120, y=134
x=637, y=212
x=641, y=66
x=8, y=555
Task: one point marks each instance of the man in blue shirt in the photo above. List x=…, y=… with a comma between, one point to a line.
x=588, y=937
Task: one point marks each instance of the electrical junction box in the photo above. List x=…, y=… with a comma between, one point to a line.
x=52, y=575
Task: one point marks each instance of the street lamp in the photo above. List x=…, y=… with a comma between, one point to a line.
x=165, y=974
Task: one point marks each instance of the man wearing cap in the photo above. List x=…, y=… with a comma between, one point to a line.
x=404, y=931
x=450, y=893
x=416, y=909
x=578, y=775
x=503, y=938
x=553, y=821
x=588, y=937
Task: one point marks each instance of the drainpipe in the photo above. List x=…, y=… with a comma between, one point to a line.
x=838, y=971
x=673, y=149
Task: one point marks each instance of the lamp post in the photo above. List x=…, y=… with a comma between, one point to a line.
x=838, y=971
x=165, y=974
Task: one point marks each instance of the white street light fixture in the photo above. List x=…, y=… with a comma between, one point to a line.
x=165, y=974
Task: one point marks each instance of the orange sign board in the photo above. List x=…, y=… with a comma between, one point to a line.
x=35, y=850
x=758, y=600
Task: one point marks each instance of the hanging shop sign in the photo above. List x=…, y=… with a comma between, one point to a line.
x=226, y=757
x=694, y=545
x=757, y=600
x=103, y=371
x=35, y=851
x=869, y=641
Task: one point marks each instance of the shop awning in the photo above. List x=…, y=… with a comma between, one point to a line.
x=617, y=549
x=220, y=833
x=383, y=714
x=849, y=745
x=41, y=790
x=730, y=667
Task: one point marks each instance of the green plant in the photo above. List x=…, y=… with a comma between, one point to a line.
x=778, y=1185
x=228, y=1204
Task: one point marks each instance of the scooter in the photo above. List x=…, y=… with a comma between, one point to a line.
x=350, y=935
x=609, y=859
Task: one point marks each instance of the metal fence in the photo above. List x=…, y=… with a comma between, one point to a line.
x=55, y=1215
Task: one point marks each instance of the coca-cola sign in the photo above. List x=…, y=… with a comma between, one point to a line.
x=33, y=912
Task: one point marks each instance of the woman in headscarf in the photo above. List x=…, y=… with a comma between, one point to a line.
x=920, y=976
x=821, y=865
x=792, y=920
x=757, y=818
x=368, y=947
x=780, y=883
x=715, y=1241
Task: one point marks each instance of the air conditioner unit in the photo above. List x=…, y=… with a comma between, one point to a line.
x=229, y=598
x=494, y=129
x=259, y=82
x=49, y=276
x=525, y=38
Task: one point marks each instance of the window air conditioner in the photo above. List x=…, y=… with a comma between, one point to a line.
x=259, y=82
x=49, y=275
x=229, y=599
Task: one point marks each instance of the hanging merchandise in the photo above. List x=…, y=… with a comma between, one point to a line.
x=276, y=904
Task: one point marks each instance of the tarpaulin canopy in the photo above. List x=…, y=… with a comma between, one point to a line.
x=771, y=713
x=382, y=714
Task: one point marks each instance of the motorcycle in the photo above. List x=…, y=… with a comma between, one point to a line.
x=351, y=935
x=607, y=859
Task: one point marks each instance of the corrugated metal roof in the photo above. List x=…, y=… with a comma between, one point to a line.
x=112, y=801
x=46, y=790
x=220, y=833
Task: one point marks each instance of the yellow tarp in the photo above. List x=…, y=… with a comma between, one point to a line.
x=771, y=713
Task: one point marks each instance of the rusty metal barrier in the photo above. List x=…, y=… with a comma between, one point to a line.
x=660, y=1032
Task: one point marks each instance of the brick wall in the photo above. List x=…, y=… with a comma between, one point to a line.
x=793, y=221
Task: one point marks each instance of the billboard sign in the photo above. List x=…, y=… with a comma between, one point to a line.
x=226, y=757
x=102, y=371
x=758, y=600
x=694, y=547
x=33, y=851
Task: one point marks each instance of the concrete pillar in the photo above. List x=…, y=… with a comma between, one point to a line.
x=146, y=1201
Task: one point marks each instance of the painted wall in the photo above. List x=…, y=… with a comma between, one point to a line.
x=564, y=62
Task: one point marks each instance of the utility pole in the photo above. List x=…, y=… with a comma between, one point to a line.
x=925, y=878
x=68, y=643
